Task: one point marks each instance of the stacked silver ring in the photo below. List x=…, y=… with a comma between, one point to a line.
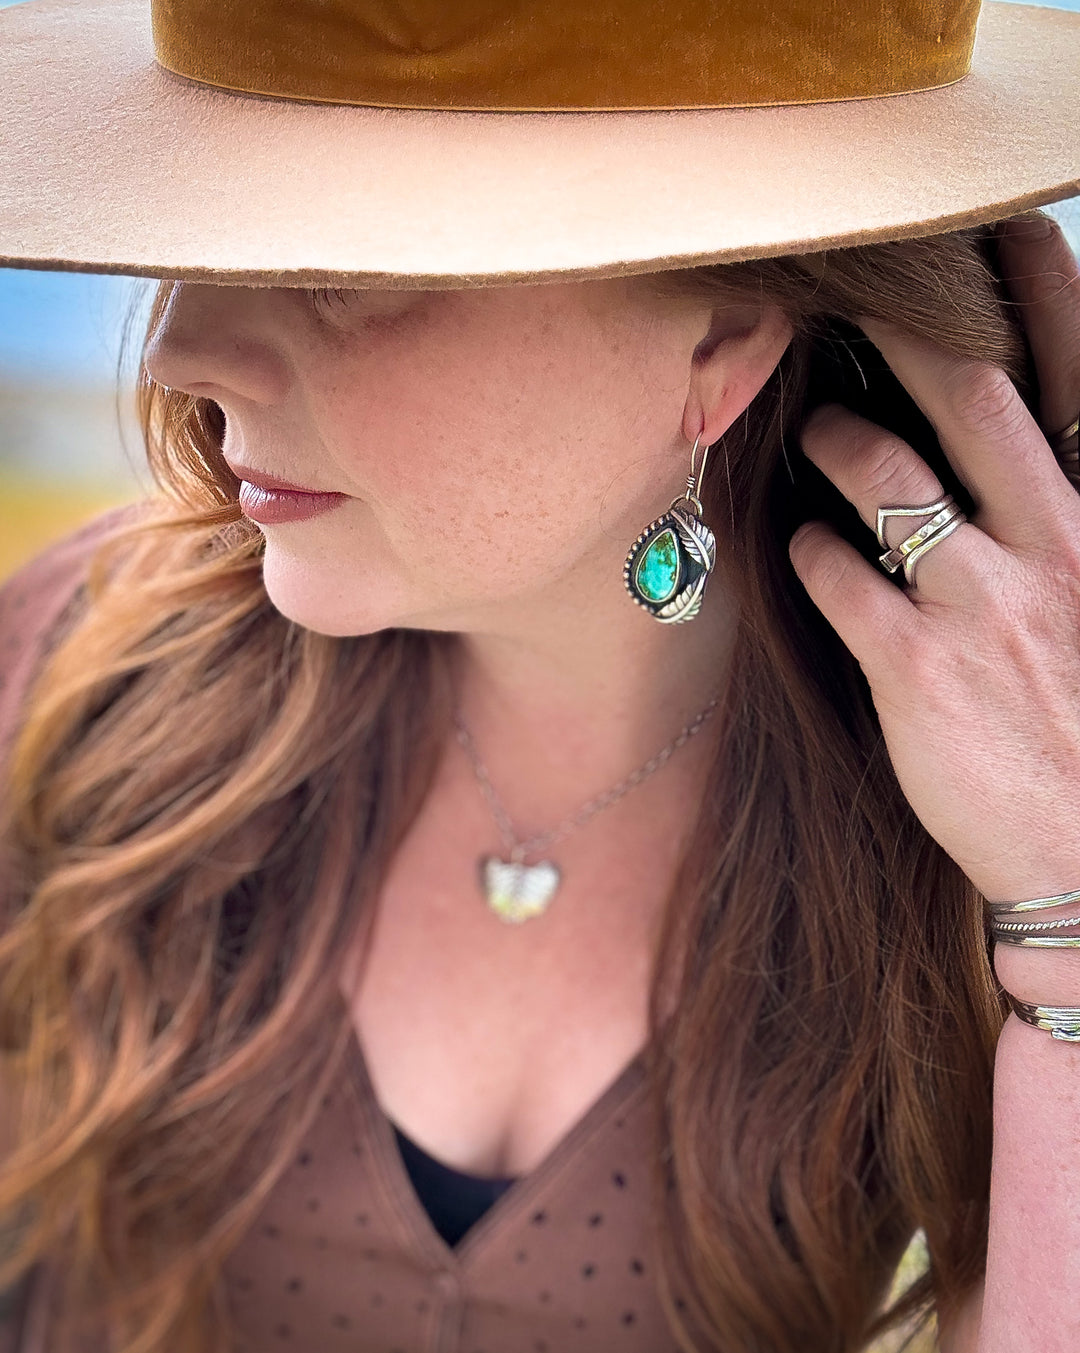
x=945, y=517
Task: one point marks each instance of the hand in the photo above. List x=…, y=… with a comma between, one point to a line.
x=975, y=671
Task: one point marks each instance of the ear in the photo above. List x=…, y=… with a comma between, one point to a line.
x=730, y=365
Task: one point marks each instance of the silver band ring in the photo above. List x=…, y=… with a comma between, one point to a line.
x=945, y=518
x=927, y=545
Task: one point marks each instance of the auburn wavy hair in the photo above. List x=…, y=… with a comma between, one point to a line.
x=168, y=1020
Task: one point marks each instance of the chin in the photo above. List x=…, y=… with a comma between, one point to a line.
x=322, y=602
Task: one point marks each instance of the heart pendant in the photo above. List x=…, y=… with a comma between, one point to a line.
x=516, y=892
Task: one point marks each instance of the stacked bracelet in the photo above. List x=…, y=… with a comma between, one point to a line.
x=1035, y=904
x=1060, y=1021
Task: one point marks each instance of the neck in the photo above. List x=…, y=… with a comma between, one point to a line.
x=562, y=707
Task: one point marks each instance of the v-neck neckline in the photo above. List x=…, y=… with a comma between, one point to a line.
x=372, y=1122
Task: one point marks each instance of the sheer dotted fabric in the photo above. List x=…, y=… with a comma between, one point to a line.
x=344, y=1258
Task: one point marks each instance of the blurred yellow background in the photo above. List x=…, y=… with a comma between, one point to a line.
x=70, y=445
x=32, y=518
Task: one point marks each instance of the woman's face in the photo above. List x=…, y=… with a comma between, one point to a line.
x=497, y=446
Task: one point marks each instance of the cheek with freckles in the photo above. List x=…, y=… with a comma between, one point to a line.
x=478, y=435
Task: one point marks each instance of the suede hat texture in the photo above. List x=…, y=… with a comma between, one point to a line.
x=454, y=143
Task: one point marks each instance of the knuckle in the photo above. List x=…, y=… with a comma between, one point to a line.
x=829, y=575
x=985, y=401
x=894, y=475
x=826, y=574
x=923, y=671
x=989, y=576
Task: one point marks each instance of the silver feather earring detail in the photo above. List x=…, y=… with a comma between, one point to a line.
x=669, y=564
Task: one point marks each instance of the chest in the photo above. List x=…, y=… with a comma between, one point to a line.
x=487, y=1041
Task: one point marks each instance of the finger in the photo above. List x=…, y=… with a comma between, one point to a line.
x=1043, y=281
x=872, y=617
x=990, y=438
x=873, y=468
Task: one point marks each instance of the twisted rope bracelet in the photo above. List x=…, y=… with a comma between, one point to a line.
x=1033, y=934
x=1035, y=925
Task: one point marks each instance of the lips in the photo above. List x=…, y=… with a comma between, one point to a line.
x=267, y=499
x=268, y=481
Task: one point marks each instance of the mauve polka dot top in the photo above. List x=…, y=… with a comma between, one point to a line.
x=345, y=1257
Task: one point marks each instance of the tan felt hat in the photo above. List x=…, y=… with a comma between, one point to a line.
x=450, y=143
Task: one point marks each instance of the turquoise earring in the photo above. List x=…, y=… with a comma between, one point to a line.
x=669, y=564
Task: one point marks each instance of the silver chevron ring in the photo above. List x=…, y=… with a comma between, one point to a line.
x=944, y=518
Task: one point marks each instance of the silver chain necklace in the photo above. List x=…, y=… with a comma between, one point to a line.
x=516, y=891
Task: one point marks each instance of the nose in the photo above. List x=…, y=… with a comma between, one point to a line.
x=220, y=342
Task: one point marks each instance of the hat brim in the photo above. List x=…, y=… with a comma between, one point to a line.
x=110, y=164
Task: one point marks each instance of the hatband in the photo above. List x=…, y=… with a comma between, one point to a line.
x=567, y=54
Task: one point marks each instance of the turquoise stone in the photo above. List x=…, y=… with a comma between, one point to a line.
x=657, y=573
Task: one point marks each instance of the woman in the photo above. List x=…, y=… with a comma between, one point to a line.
x=410, y=942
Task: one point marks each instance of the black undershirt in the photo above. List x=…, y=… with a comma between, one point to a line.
x=453, y=1200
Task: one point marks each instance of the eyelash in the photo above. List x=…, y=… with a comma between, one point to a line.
x=324, y=296
x=353, y=308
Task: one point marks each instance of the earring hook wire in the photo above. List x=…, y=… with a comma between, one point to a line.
x=693, y=480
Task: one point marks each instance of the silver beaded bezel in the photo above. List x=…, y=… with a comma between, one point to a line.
x=697, y=557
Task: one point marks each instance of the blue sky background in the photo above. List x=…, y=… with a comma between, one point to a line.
x=67, y=325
